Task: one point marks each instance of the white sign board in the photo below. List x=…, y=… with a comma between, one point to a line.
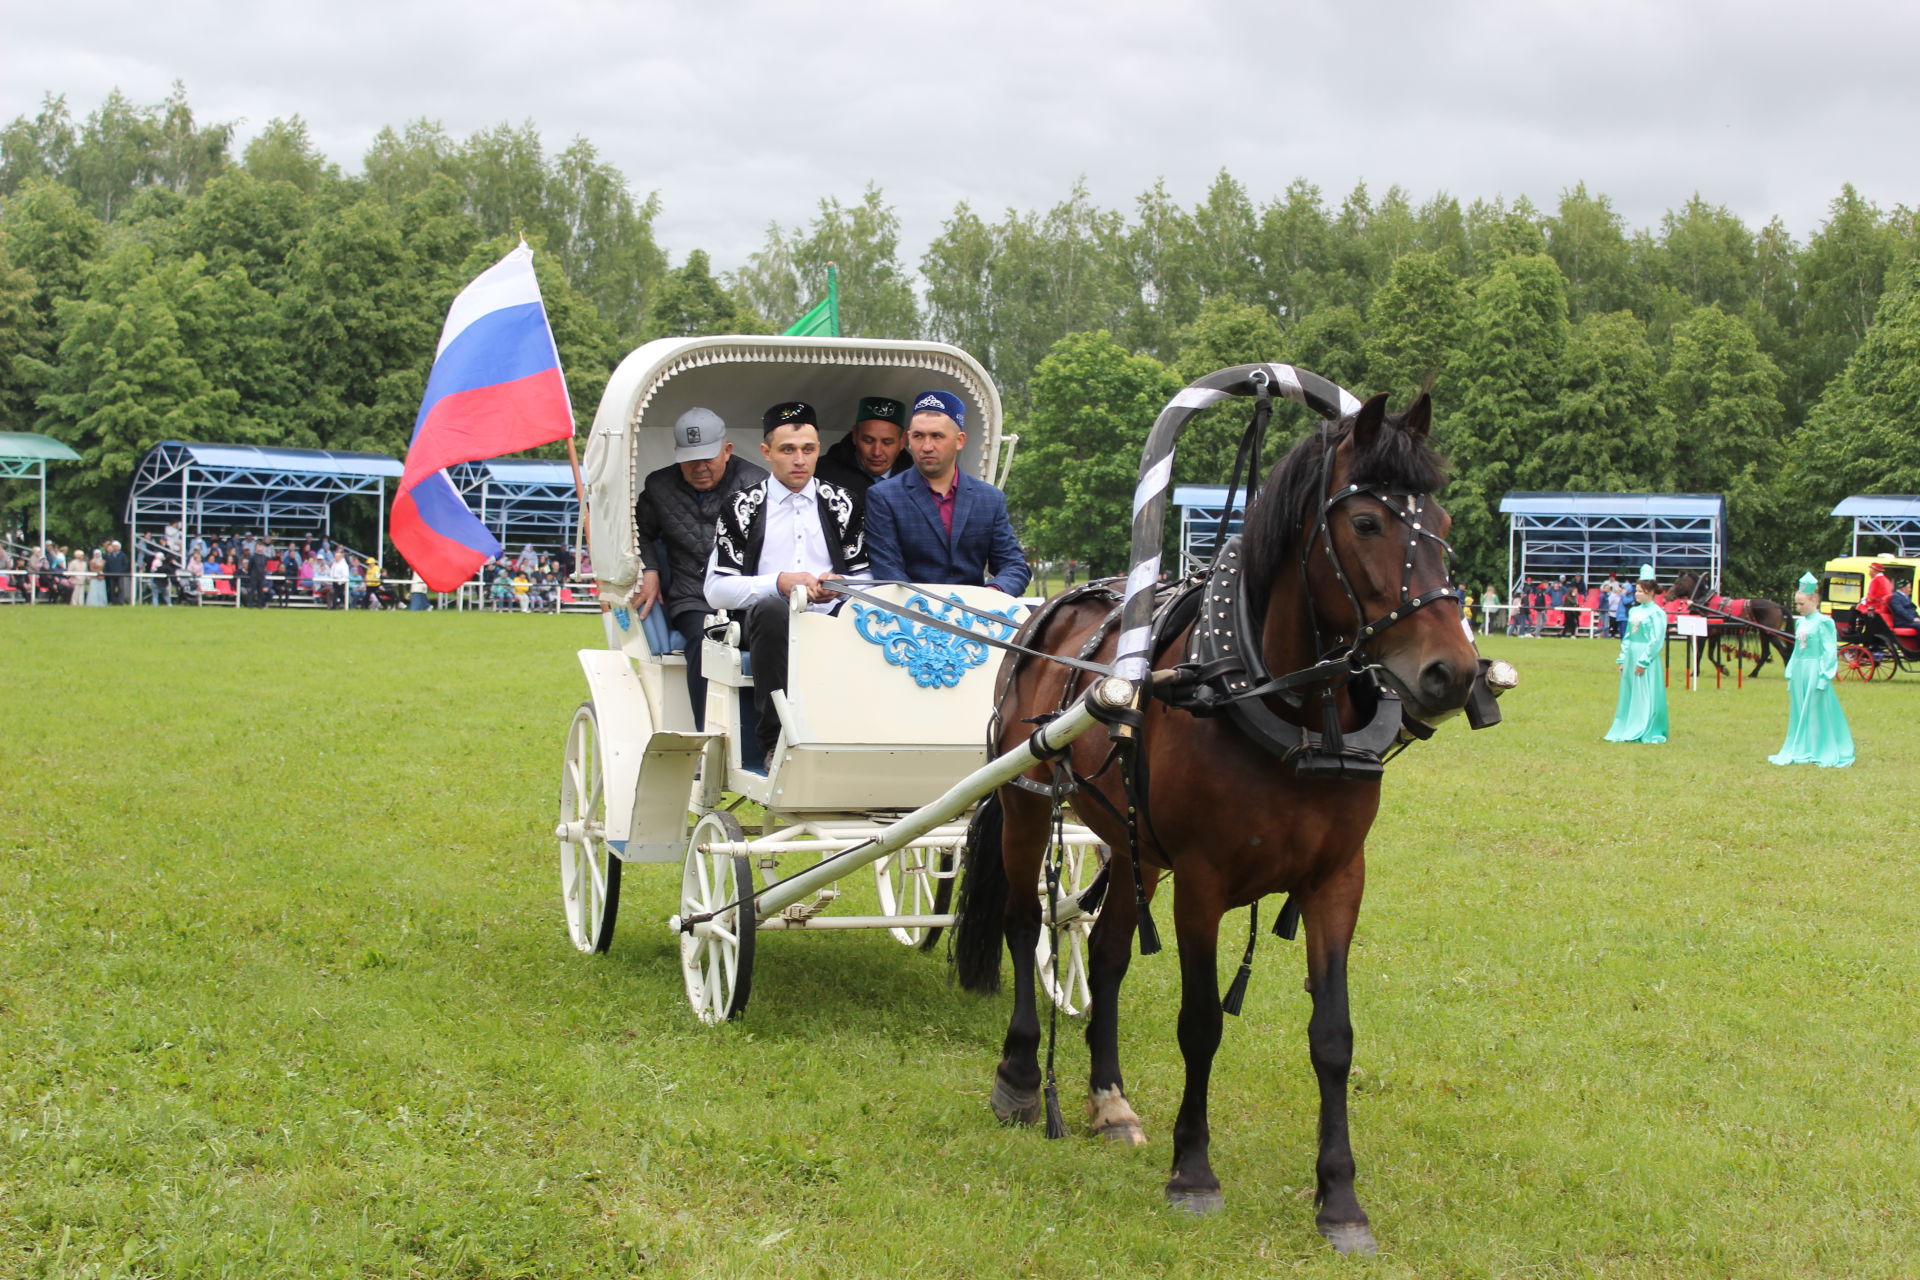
x=1690, y=624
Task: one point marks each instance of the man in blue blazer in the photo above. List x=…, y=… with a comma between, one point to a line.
x=936, y=524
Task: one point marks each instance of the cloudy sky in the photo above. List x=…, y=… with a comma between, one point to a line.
x=739, y=112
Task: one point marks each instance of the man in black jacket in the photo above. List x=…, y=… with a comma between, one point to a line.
x=255, y=593
x=116, y=566
x=676, y=514
x=874, y=450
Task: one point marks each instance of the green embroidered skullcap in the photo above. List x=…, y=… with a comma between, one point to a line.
x=883, y=409
x=1646, y=571
x=1809, y=584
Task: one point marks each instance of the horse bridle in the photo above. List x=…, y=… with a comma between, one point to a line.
x=1353, y=656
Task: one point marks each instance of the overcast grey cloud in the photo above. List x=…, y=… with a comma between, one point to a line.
x=741, y=112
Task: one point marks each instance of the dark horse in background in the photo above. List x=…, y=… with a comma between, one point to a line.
x=1342, y=524
x=1769, y=621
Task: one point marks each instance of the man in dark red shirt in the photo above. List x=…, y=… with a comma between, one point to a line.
x=936, y=524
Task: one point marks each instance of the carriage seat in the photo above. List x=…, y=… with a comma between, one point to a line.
x=722, y=657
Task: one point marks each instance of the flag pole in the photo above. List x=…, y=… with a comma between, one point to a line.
x=580, y=497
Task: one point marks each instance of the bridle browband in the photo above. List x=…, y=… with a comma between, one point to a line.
x=1410, y=516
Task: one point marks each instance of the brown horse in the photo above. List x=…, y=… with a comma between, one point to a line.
x=1770, y=621
x=1340, y=551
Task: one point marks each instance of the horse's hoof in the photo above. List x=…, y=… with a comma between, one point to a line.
x=1349, y=1238
x=1200, y=1204
x=1014, y=1106
x=1127, y=1132
x=1113, y=1119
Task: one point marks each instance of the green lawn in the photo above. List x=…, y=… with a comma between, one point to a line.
x=285, y=991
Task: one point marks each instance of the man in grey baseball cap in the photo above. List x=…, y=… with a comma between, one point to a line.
x=676, y=514
x=699, y=435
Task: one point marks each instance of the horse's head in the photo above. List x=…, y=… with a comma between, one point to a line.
x=1352, y=507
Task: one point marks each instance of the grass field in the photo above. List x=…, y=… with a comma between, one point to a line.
x=285, y=991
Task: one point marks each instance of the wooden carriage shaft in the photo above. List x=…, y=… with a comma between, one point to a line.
x=1113, y=693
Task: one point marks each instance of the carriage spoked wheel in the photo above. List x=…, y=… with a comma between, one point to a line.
x=717, y=958
x=1885, y=665
x=589, y=870
x=1064, y=978
x=915, y=882
x=1856, y=660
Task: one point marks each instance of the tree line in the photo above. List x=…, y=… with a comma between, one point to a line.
x=156, y=284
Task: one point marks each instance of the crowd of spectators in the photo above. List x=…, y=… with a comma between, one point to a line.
x=253, y=572
x=258, y=572
x=529, y=582
x=1560, y=607
x=55, y=573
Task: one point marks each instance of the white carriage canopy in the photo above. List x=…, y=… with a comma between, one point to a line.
x=243, y=487
x=739, y=378
x=522, y=501
x=1586, y=536
x=24, y=456
x=1893, y=520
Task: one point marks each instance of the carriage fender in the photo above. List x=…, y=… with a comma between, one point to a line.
x=649, y=771
x=626, y=723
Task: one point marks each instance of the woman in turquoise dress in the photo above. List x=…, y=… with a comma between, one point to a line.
x=1817, y=731
x=1641, y=713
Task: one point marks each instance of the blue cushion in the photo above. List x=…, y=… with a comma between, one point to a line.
x=660, y=636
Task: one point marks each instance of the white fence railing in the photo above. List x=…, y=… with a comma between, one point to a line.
x=18, y=586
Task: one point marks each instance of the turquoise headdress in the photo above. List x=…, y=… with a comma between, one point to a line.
x=1646, y=572
x=1809, y=584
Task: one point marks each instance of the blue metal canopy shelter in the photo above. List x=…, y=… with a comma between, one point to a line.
x=1893, y=517
x=522, y=500
x=24, y=456
x=1201, y=506
x=249, y=487
x=1586, y=536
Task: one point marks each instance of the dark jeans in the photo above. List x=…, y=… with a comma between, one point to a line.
x=764, y=628
x=688, y=625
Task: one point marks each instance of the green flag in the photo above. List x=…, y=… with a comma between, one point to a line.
x=824, y=320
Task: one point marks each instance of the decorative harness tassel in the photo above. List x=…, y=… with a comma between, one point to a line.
x=1149, y=934
x=1056, y=1123
x=1237, y=992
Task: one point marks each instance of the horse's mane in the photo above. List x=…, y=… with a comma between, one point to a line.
x=1395, y=459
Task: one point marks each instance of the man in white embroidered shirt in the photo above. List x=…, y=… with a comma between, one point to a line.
x=790, y=530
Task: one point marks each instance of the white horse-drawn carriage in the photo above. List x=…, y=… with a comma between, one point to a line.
x=882, y=752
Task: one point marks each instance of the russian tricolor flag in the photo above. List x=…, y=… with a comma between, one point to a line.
x=495, y=388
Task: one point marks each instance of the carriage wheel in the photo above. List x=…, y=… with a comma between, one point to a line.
x=1856, y=660
x=1885, y=665
x=915, y=882
x=718, y=967
x=589, y=870
x=1066, y=983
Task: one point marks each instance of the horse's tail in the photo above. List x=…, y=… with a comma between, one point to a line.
x=980, y=924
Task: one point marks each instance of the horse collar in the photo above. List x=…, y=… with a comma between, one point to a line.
x=1224, y=650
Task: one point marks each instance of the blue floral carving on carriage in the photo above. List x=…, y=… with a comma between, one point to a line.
x=935, y=659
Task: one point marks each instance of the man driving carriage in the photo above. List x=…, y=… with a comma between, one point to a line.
x=678, y=511
x=789, y=530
